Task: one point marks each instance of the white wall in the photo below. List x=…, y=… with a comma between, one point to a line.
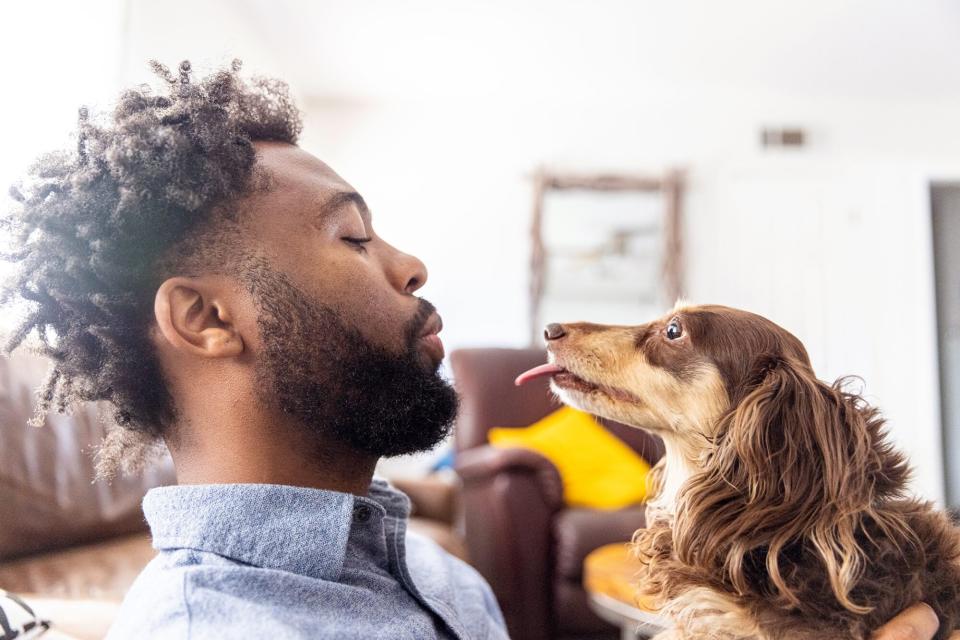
x=48, y=68
x=438, y=112
x=833, y=242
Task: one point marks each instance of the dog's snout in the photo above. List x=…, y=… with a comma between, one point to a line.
x=554, y=331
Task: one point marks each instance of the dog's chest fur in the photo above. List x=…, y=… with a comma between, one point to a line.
x=716, y=613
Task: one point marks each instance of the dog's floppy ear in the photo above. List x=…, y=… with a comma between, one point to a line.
x=797, y=465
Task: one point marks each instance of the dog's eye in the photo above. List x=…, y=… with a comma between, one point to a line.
x=674, y=330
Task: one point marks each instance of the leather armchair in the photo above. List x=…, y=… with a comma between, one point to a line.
x=519, y=534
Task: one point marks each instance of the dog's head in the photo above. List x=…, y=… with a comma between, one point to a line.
x=677, y=374
x=779, y=457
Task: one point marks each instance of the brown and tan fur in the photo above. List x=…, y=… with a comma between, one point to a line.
x=782, y=510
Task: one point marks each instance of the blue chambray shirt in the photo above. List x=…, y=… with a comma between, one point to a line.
x=273, y=561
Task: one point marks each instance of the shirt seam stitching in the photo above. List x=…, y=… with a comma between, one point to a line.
x=186, y=604
x=344, y=544
x=449, y=616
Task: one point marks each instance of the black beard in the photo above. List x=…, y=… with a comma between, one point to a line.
x=337, y=384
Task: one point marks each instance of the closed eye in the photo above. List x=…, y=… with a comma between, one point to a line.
x=358, y=243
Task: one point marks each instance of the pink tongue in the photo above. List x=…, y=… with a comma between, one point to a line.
x=536, y=372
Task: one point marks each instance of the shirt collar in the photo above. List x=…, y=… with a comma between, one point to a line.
x=294, y=529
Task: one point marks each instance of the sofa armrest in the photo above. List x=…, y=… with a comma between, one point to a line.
x=510, y=500
x=481, y=464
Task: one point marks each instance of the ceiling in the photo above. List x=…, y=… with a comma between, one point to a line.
x=419, y=49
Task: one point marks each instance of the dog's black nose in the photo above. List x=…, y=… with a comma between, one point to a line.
x=554, y=331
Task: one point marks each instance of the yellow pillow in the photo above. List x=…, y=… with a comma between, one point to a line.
x=598, y=469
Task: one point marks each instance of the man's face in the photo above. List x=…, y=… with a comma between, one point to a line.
x=344, y=345
x=311, y=223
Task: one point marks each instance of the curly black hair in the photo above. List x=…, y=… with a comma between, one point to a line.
x=96, y=230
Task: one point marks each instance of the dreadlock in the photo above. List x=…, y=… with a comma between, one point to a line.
x=96, y=230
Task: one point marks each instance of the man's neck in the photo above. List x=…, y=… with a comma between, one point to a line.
x=283, y=460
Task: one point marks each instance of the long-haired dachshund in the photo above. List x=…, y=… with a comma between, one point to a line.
x=781, y=508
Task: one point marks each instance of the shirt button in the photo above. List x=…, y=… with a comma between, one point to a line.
x=361, y=513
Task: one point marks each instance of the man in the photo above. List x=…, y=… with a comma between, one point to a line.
x=225, y=291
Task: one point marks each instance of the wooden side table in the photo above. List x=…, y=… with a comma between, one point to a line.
x=609, y=577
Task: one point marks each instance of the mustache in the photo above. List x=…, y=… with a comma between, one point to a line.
x=415, y=326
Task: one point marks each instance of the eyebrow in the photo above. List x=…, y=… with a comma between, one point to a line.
x=342, y=198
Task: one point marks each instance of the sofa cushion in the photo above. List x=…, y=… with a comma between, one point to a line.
x=577, y=532
x=598, y=469
x=102, y=571
x=48, y=499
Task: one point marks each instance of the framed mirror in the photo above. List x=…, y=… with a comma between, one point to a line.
x=606, y=248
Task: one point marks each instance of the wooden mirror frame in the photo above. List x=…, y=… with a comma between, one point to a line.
x=670, y=185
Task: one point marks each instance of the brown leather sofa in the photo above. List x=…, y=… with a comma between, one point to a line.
x=73, y=546
x=519, y=534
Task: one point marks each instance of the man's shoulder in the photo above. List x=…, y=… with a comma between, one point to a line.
x=452, y=582
x=191, y=593
x=154, y=606
x=426, y=553
x=195, y=594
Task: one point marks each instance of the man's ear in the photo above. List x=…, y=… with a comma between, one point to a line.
x=193, y=316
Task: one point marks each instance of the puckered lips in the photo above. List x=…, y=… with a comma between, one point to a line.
x=430, y=340
x=564, y=379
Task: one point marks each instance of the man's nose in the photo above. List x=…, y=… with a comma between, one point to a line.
x=416, y=274
x=554, y=331
x=407, y=272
